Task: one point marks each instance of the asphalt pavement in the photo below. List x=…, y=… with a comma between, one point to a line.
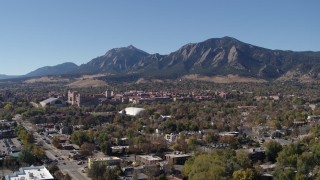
x=61, y=156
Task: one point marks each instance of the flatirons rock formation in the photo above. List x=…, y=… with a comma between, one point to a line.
x=217, y=56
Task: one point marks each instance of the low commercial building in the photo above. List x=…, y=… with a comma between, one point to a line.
x=119, y=149
x=32, y=172
x=177, y=158
x=108, y=161
x=148, y=159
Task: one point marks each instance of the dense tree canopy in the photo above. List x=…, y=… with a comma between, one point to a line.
x=273, y=148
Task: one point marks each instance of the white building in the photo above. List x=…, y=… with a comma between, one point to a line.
x=177, y=158
x=132, y=111
x=53, y=102
x=32, y=172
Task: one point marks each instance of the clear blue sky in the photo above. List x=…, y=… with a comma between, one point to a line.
x=37, y=33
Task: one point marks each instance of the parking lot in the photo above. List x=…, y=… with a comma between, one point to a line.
x=9, y=145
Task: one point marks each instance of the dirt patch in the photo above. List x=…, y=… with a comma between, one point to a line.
x=297, y=76
x=223, y=79
x=142, y=80
x=47, y=80
x=93, y=76
x=85, y=83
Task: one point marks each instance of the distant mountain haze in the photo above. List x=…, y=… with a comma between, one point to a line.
x=3, y=76
x=53, y=70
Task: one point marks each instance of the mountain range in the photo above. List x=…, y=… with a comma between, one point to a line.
x=213, y=57
x=3, y=76
x=59, y=69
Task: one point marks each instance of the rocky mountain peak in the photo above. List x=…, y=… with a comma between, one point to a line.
x=216, y=56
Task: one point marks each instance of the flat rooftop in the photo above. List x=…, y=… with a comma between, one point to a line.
x=177, y=155
x=105, y=158
x=151, y=158
x=32, y=172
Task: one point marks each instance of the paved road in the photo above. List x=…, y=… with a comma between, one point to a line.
x=4, y=172
x=76, y=174
x=65, y=165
